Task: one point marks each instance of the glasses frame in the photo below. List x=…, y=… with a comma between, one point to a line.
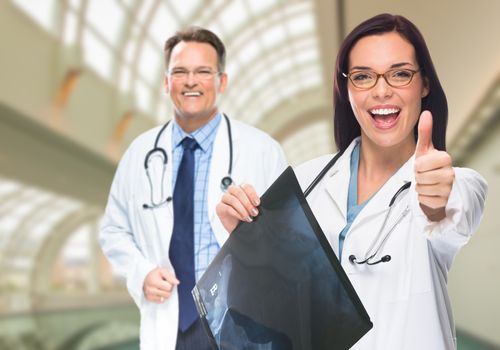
x=378, y=75
x=187, y=72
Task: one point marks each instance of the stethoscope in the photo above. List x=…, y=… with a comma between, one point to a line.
x=369, y=256
x=156, y=151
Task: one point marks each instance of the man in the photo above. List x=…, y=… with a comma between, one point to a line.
x=160, y=229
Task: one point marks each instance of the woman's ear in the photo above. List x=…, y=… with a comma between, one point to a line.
x=425, y=88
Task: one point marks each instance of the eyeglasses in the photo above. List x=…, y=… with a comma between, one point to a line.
x=366, y=79
x=181, y=74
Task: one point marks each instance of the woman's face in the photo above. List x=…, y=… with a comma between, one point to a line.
x=386, y=114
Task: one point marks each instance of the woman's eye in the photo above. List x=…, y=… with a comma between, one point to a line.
x=401, y=74
x=361, y=76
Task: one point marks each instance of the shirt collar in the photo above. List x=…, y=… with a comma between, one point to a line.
x=204, y=135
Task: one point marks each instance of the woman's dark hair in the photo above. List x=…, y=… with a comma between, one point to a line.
x=345, y=123
x=200, y=35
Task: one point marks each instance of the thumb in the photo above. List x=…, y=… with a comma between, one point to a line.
x=424, y=142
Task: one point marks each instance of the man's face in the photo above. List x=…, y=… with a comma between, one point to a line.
x=193, y=83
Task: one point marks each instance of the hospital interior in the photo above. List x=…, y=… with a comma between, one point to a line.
x=80, y=79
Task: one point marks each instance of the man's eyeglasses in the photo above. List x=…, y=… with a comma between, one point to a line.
x=181, y=74
x=366, y=79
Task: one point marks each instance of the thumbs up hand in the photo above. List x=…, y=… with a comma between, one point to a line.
x=434, y=173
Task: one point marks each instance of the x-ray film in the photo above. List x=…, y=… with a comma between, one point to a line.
x=276, y=283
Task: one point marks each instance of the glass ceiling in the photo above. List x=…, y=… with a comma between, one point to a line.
x=272, y=46
x=28, y=215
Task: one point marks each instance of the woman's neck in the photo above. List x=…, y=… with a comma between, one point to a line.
x=377, y=164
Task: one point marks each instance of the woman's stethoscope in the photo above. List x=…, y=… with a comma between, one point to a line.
x=368, y=256
x=225, y=182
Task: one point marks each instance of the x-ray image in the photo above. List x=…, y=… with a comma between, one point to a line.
x=276, y=284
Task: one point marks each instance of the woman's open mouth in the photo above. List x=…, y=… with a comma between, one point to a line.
x=385, y=118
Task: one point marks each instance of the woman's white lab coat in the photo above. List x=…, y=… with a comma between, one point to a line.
x=407, y=297
x=136, y=240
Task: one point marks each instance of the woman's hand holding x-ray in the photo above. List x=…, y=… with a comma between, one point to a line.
x=239, y=203
x=434, y=173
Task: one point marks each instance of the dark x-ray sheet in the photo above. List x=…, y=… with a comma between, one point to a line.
x=277, y=284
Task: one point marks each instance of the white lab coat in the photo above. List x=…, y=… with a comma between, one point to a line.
x=136, y=240
x=406, y=298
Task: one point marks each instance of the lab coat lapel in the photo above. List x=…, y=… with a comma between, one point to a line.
x=379, y=203
x=337, y=180
x=218, y=169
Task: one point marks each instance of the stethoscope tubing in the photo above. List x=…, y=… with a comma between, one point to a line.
x=226, y=181
x=368, y=257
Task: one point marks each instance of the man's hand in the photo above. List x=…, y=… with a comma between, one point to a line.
x=434, y=173
x=239, y=203
x=158, y=285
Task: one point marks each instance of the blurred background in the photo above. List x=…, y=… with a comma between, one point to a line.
x=79, y=79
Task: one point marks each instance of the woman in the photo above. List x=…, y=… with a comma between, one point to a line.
x=392, y=206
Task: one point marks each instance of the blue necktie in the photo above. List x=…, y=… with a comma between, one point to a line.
x=181, y=250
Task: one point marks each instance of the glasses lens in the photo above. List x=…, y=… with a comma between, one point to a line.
x=198, y=74
x=363, y=80
x=399, y=77
x=204, y=74
x=179, y=74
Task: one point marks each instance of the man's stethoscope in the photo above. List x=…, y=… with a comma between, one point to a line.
x=372, y=251
x=156, y=151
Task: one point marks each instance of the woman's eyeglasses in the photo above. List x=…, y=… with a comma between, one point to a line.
x=366, y=79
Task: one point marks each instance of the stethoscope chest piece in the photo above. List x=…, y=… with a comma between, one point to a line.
x=225, y=183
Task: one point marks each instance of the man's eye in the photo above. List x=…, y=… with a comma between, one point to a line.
x=204, y=72
x=179, y=72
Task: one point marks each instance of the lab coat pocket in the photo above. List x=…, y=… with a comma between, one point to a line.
x=410, y=273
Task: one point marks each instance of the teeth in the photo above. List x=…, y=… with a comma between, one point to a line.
x=192, y=93
x=384, y=111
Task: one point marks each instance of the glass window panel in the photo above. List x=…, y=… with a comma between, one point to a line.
x=282, y=66
x=309, y=79
x=76, y=248
x=96, y=54
x=249, y=52
x=274, y=36
x=164, y=112
x=307, y=56
x=75, y=4
x=144, y=10
x=307, y=143
x=241, y=98
x=289, y=88
x=41, y=11
x=260, y=80
x=131, y=46
x=162, y=26
x=242, y=39
x=106, y=17
x=298, y=8
x=185, y=8
x=128, y=3
x=301, y=24
x=125, y=77
x=70, y=29
x=233, y=16
x=8, y=186
x=143, y=96
x=232, y=70
x=257, y=7
x=149, y=62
